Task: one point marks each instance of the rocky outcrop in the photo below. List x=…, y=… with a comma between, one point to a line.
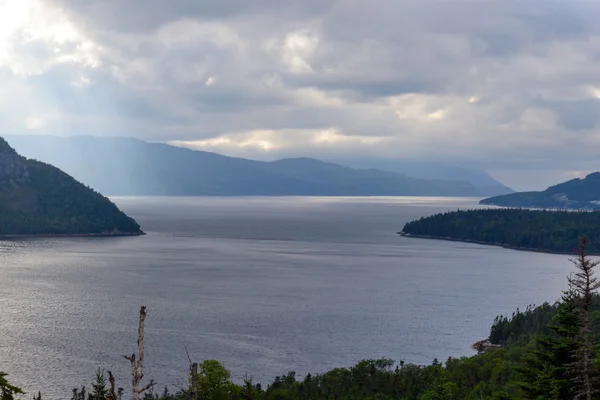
x=13, y=167
x=484, y=345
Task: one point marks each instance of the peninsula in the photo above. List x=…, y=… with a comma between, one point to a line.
x=532, y=230
x=576, y=194
x=37, y=199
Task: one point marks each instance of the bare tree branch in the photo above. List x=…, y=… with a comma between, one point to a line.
x=148, y=386
x=111, y=380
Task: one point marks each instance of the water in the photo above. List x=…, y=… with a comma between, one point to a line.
x=265, y=285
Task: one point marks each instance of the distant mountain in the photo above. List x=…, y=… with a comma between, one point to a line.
x=573, y=194
x=484, y=182
x=125, y=166
x=39, y=199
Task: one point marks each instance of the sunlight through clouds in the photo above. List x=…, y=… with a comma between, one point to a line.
x=35, y=36
x=269, y=140
x=474, y=85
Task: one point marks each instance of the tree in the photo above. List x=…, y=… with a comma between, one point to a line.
x=441, y=390
x=562, y=365
x=214, y=381
x=137, y=366
x=545, y=366
x=7, y=391
x=99, y=387
x=585, y=369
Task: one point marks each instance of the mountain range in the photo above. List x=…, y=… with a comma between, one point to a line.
x=484, y=182
x=576, y=194
x=126, y=166
x=39, y=199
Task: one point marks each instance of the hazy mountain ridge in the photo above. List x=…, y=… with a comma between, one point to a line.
x=573, y=194
x=125, y=166
x=39, y=199
x=483, y=181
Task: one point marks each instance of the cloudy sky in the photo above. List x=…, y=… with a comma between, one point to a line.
x=512, y=87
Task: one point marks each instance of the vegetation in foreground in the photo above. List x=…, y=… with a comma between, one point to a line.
x=539, y=230
x=546, y=352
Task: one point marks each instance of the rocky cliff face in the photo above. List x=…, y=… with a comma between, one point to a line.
x=13, y=167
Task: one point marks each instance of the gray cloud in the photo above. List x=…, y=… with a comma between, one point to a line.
x=496, y=84
x=130, y=16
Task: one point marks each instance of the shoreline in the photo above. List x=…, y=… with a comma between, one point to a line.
x=71, y=235
x=504, y=246
x=535, y=208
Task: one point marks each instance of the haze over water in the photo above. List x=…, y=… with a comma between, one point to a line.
x=265, y=285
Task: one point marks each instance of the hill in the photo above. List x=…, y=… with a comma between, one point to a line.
x=536, y=230
x=576, y=194
x=125, y=166
x=39, y=199
x=484, y=182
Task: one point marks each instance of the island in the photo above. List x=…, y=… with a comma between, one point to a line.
x=523, y=229
x=37, y=199
x=576, y=194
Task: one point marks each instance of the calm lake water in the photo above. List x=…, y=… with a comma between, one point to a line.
x=265, y=285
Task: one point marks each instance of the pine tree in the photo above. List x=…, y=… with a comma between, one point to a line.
x=585, y=369
x=100, y=391
x=562, y=365
x=7, y=391
x=545, y=374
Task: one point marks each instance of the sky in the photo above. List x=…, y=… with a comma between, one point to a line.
x=511, y=87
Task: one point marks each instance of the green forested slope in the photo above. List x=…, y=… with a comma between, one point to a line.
x=553, y=231
x=39, y=199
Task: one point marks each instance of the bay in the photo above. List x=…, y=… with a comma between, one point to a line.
x=265, y=285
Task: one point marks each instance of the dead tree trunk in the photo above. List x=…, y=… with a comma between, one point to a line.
x=194, y=381
x=112, y=393
x=137, y=366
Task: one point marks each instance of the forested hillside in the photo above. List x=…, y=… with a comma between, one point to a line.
x=39, y=199
x=576, y=194
x=552, y=231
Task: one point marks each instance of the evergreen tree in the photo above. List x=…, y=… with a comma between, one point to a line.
x=585, y=369
x=100, y=392
x=545, y=370
x=7, y=391
x=561, y=365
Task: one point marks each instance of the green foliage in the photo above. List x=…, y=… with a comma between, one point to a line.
x=555, y=231
x=487, y=376
x=7, y=391
x=41, y=199
x=100, y=391
x=522, y=325
x=214, y=381
x=441, y=390
x=545, y=366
